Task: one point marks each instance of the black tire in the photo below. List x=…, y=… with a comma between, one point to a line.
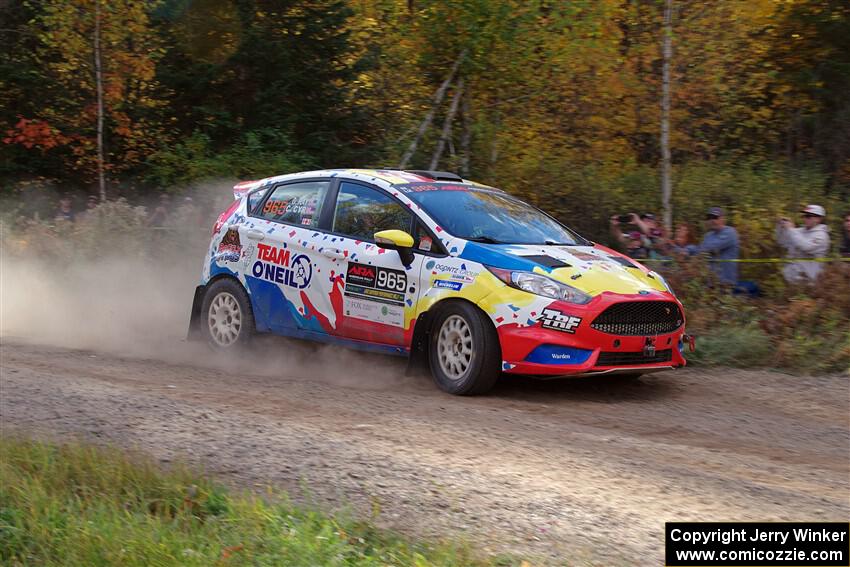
x=227, y=291
x=481, y=368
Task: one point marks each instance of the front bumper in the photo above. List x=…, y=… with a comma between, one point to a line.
x=539, y=351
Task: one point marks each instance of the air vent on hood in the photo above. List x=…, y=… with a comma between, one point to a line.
x=547, y=261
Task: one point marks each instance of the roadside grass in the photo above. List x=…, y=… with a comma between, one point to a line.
x=75, y=504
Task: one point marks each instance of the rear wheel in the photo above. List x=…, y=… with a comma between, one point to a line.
x=464, y=352
x=227, y=320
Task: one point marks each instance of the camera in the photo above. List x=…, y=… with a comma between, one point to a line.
x=624, y=218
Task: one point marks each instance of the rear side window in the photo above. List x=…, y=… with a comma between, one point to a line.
x=255, y=198
x=362, y=211
x=296, y=203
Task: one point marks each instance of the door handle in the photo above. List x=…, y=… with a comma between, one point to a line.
x=333, y=253
x=255, y=234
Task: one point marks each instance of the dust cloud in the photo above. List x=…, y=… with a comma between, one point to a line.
x=119, y=298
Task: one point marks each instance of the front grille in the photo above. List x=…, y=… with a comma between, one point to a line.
x=639, y=318
x=632, y=358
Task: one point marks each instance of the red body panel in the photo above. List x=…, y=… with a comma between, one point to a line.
x=518, y=342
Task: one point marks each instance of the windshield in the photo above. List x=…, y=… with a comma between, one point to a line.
x=490, y=216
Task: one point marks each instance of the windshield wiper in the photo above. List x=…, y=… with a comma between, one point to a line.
x=553, y=243
x=483, y=239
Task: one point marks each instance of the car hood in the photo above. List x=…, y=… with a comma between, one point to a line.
x=591, y=269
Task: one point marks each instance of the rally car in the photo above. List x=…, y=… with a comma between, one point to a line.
x=460, y=276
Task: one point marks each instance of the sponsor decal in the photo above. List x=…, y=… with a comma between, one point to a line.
x=559, y=321
x=557, y=354
x=304, y=205
x=229, y=249
x=280, y=266
x=456, y=273
x=222, y=218
x=446, y=284
x=587, y=256
x=374, y=293
x=425, y=243
x=424, y=186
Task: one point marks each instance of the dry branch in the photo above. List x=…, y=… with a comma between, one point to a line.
x=429, y=117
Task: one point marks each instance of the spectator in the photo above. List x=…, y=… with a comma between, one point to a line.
x=65, y=212
x=635, y=244
x=808, y=241
x=91, y=204
x=160, y=213
x=655, y=235
x=720, y=243
x=683, y=240
x=845, y=237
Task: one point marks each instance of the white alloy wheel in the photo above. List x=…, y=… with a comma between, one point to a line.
x=224, y=319
x=454, y=347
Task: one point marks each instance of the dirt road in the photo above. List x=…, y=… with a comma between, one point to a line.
x=582, y=470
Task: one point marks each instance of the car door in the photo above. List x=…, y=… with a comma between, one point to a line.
x=279, y=260
x=378, y=292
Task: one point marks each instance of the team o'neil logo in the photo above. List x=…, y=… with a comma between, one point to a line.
x=277, y=265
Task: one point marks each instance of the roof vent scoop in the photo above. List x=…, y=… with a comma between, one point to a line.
x=437, y=175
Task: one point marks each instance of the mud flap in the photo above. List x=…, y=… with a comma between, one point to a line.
x=417, y=361
x=194, y=333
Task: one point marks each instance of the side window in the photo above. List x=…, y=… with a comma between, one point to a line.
x=296, y=203
x=423, y=241
x=363, y=211
x=255, y=198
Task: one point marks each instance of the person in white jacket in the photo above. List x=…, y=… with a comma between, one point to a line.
x=808, y=241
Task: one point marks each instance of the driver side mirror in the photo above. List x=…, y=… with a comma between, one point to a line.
x=397, y=240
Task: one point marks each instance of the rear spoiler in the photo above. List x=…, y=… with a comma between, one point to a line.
x=243, y=187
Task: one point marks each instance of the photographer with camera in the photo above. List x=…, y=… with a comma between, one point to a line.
x=636, y=245
x=653, y=241
x=808, y=241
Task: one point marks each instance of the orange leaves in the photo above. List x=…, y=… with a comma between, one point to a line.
x=35, y=134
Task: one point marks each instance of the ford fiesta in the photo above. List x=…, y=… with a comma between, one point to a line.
x=425, y=264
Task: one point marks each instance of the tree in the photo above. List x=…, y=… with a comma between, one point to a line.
x=280, y=65
x=666, y=181
x=100, y=101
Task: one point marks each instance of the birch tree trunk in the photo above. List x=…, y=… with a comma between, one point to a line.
x=466, y=137
x=98, y=71
x=429, y=117
x=447, y=126
x=666, y=181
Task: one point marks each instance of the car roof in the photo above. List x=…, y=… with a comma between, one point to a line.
x=386, y=177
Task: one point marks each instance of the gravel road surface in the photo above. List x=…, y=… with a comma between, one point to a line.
x=583, y=470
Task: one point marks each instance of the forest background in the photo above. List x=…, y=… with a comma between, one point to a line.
x=558, y=102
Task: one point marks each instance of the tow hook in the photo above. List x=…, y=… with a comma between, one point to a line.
x=649, y=347
x=692, y=342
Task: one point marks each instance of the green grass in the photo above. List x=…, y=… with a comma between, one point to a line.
x=82, y=505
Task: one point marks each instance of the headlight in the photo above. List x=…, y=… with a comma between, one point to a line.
x=660, y=278
x=538, y=284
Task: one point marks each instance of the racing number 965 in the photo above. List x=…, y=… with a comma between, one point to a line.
x=396, y=281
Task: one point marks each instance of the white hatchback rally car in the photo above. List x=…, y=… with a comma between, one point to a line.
x=428, y=265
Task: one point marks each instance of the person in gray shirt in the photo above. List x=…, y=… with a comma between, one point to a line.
x=720, y=243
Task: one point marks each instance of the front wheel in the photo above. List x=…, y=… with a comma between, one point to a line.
x=464, y=352
x=227, y=320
